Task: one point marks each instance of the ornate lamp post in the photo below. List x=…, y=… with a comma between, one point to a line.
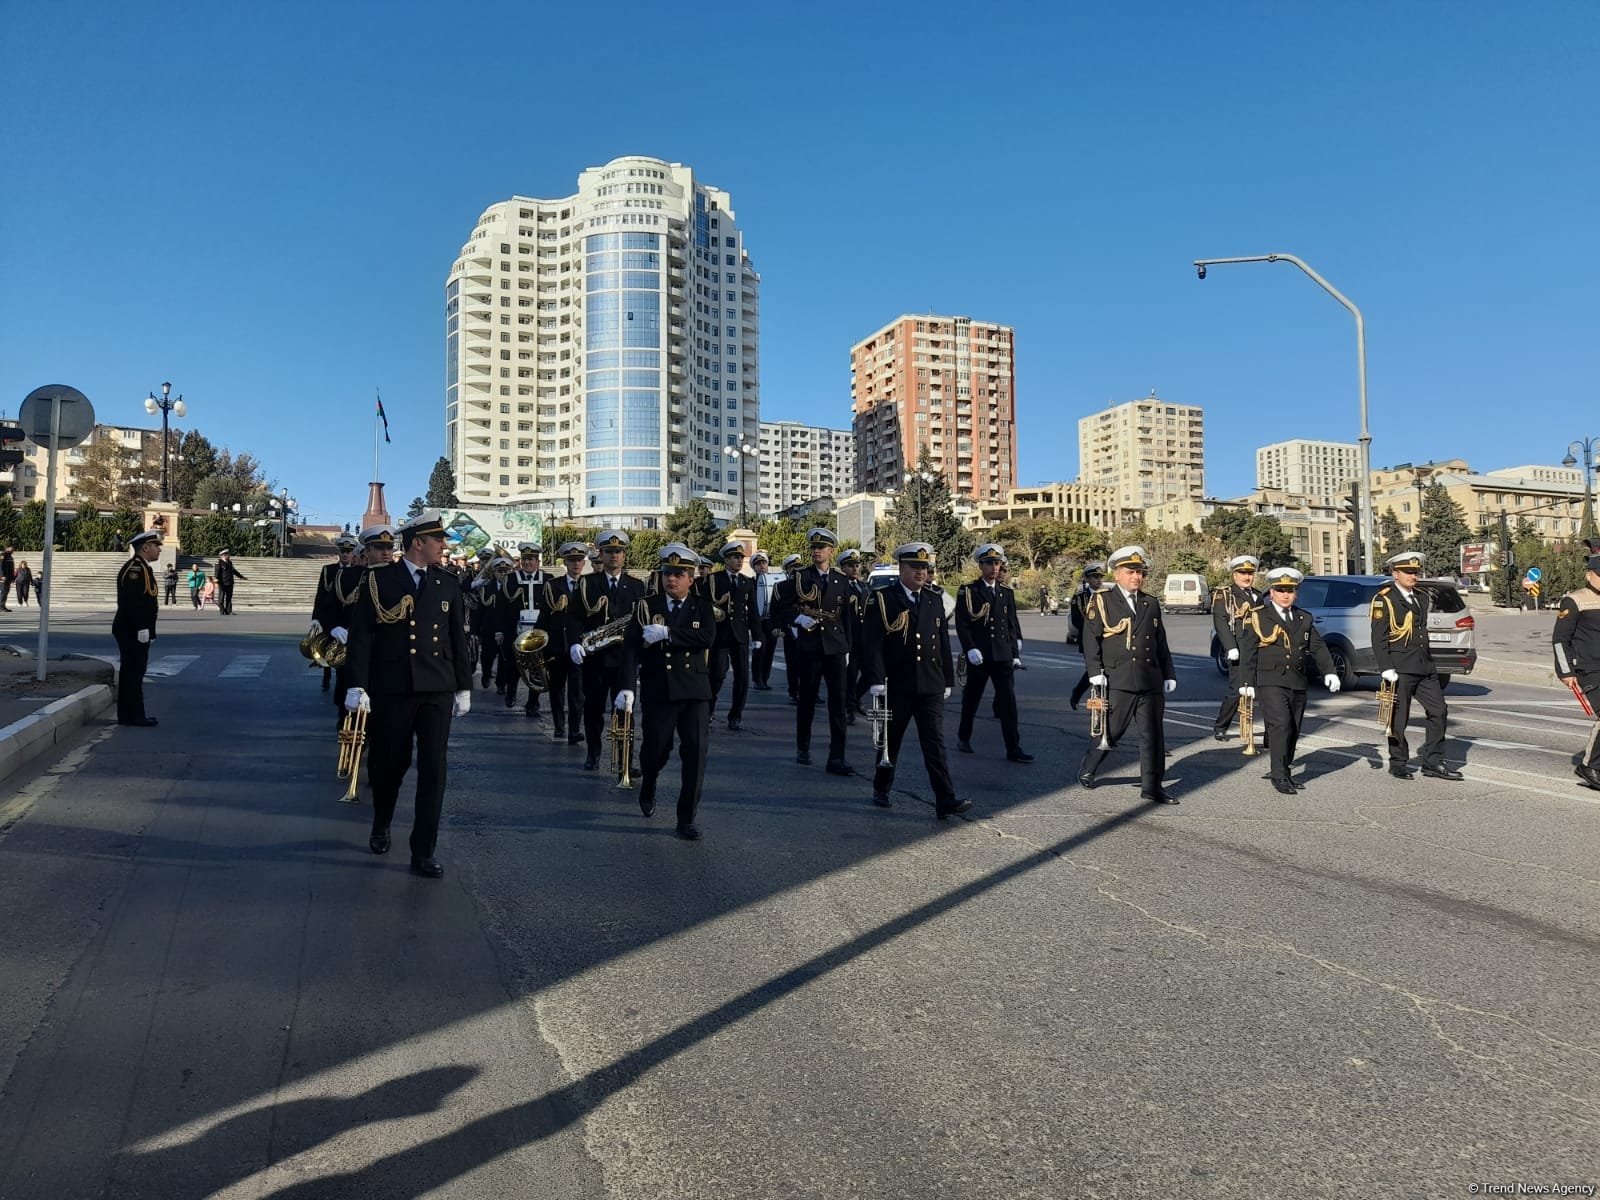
x=165, y=406
x=739, y=452
x=1587, y=446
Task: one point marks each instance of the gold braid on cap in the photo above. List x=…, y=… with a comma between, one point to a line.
x=389, y=616
x=1108, y=630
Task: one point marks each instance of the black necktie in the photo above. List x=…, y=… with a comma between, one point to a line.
x=421, y=579
x=613, y=586
x=672, y=608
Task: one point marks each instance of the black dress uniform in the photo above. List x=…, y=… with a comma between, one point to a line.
x=557, y=612
x=1576, y=641
x=408, y=651
x=1273, y=651
x=855, y=679
x=521, y=590
x=1077, y=607
x=1125, y=640
x=906, y=642
x=602, y=598
x=1229, y=608
x=986, y=621
x=675, y=694
x=226, y=574
x=485, y=591
x=336, y=598
x=819, y=655
x=736, y=596
x=1400, y=644
x=783, y=598
x=762, y=587
x=137, y=609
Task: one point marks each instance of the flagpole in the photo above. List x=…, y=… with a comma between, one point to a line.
x=377, y=446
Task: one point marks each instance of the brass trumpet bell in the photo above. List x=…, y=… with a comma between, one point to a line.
x=528, y=653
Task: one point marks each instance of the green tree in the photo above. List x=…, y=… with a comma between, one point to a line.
x=925, y=512
x=693, y=525
x=196, y=459
x=415, y=507
x=100, y=473
x=221, y=491
x=1391, y=535
x=1443, y=529
x=644, y=548
x=442, y=485
x=30, y=526
x=86, y=530
x=1242, y=532
x=206, y=535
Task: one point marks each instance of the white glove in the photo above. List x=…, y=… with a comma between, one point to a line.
x=1016, y=664
x=1391, y=676
x=1331, y=682
x=805, y=622
x=339, y=634
x=755, y=645
x=1248, y=691
x=947, y=693
x=357, y=700
x=1233, y=655
x=316, y=628
x=1170, y=686
x=462, y=705
x=143, y=637
x=878, y=689
x=623, y=701
x=1098, y=680
x=975, y=657
x=656, y=633
x=576, y=655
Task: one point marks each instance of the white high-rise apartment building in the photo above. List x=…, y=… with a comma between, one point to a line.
x=802, y=462
x=1305, y=468
x=602, y=349
x=1150, y=451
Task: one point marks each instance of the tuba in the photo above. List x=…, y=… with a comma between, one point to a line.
x=528, y=653
x=1387, y=691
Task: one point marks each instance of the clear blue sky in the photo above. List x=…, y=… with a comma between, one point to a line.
x=260, y=203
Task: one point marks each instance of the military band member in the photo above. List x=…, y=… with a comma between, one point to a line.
x=1230, y=606
x=668, y=649
x=1094, y=578
x=1125, y=651
x=782, y=596
x=849, y=564
x=991, y=640
x=480, y=605
x=735, y=594
x=557, y=612
x=409, y=668
x=817, y=608
x=608, y=595
x=906, y=641
x=1400, y=644
x=1278, y=644
x=519, y=599
x=762, y=643
x=334, y=604
x=1576, y=641
x=134, y=626
x=327, y=608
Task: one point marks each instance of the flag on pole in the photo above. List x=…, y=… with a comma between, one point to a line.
x=382, y=416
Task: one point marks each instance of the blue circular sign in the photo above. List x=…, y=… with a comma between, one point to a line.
x=1535, y=574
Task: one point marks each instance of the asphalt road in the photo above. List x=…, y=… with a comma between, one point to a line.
x=211, y=988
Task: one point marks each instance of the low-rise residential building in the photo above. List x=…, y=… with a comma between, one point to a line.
x=1308, y=468
x=1549, y=497
x=1074, y=503
x=1316, y=528
x=799, y=463
x=134, y=474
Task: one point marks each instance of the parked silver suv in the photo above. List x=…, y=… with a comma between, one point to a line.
x=1341, y=606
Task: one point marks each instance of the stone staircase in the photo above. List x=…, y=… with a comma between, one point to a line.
x=88, y=580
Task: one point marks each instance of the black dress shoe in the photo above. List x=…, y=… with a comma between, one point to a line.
x=511, y=700
x=1221, y=737
x=840, y=768
x=794, y=699
x=1443, y=772
x=963, y=745
x=574, y=739
x=1588, y=776
x=140, y=722
x=881, y=799
x=734, y=725
x=1297, y=784
x=591, y=763
x=1401, y=771
x=688, y=833
x=1086, y=780
x=1284, y=787
x=1021, y=756
x=428, y=868
x=960, y=806
x=850, y=718
x=378, y=843
x=803, y=758
x=647, y=797
x=1158, y=797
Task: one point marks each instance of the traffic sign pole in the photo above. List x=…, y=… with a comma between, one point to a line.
x=49, y=539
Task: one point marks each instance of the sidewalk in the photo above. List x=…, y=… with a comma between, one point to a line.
x=1514, y=646
x=35, y=716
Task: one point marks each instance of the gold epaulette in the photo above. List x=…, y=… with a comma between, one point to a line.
x=401, y=611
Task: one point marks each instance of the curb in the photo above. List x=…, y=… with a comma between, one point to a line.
x=1498, y=670
x=26, y=739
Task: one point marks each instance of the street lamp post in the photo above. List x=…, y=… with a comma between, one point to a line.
x=1587, y=445
x=1365, y=439
x=916, y=504
x=739, y=452
x=165, y=406
x=1419, y=477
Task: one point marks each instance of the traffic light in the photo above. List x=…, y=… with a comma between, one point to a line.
x=1352, y=505
x=11, y=436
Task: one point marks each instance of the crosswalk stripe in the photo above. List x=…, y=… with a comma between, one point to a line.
x=245, y=666
x=169, y=665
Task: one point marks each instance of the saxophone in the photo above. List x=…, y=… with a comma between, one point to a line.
x=606, y=635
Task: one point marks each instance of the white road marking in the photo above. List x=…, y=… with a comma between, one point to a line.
x=168, y=665
x=245, y=666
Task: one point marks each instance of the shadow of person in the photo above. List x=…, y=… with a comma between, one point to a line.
x=236, y=1149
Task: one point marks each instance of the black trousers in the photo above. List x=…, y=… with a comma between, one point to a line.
x=1005, y=701
x=566, y=693
x=761, y=660
x=1229, y=712
x=602, y=680
x=225, y=598
x=738, y=655
x=690, y=722
x=488, y=654
x=172, y=593
x=854, y=685
x=394, y=725
x=1146, y=710
x=341, y=685
x=1283, y=711
x=927, y=709
x=1591, y=750
x=130, y=677
x=1429, y=693
x=811, y=669
x=791, y=670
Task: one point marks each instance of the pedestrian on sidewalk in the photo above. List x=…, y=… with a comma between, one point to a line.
x=24, y=582
x=171, y=581
x=1576, y=639
x=8, y=576
x=197, y=584
x=134, y=627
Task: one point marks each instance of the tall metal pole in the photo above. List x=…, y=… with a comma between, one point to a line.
x=1365, y=440
x=166, y=496
x=49, y=539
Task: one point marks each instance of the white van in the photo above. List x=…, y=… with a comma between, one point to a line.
x=1186, y=592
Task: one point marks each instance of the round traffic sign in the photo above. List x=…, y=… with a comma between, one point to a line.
x=77, y=415
x=1535, y=574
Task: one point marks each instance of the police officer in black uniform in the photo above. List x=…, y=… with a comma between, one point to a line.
x=906, y=640
x=1277, y=645
x=1230, y=606
x=409, y=668
x=1576, y=641
x=820, y=646
x=134, y=626
x=521, y=593
x=1094, y=577
x=668, y=649
x=1125, y=651
x=1400, y=644
x=226, y=574
x=991, y=640
x=608, y=594
x=732, y=591
x=557, y=610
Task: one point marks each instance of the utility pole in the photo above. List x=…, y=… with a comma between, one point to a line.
x=1508, y=560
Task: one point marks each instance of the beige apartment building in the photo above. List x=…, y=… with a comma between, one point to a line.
x=1308, y=468
x=802, y=462
x=1073, y=503
x=1550, y=497
x=1316, y=528
x=942, y=384
x=138, y=482
x=1149, y=451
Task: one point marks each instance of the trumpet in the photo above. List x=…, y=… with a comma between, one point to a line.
x=622, y=745
x=1247, y=724
x=1387, y=693
x=1099, y=710
x=878, y=718
x=607, y=634
x=352, y=738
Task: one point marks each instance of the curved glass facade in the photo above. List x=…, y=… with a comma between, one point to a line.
x=624, y=308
